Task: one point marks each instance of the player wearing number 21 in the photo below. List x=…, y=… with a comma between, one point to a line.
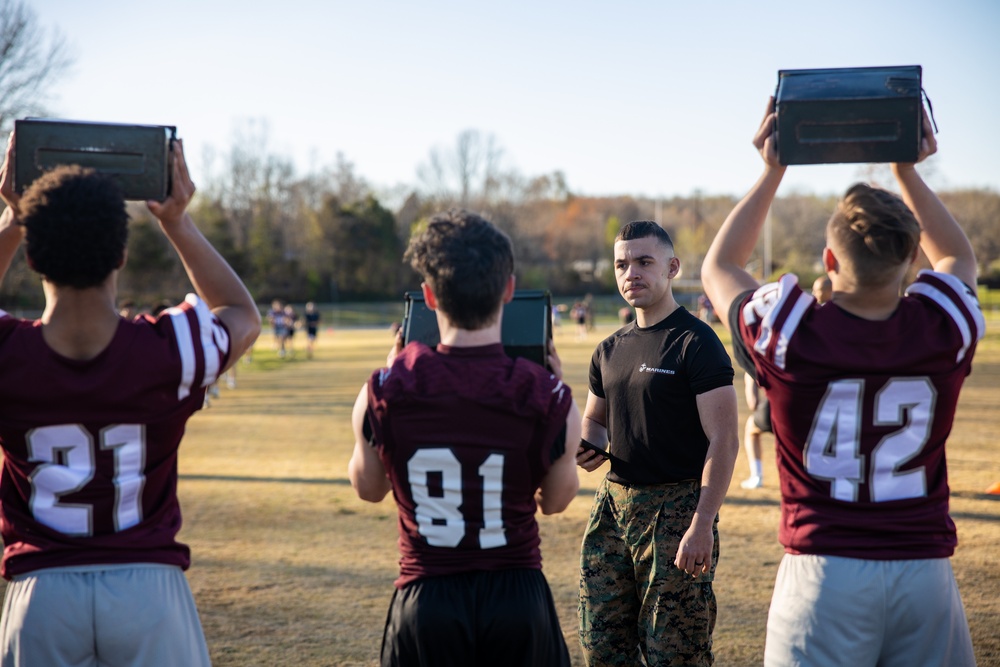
x=863, y=393
x=92, y=410
x=469, y=441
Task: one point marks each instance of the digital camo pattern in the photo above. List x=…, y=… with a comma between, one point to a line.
x=633, y=600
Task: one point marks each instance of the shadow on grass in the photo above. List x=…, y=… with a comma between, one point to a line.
x=339, y=481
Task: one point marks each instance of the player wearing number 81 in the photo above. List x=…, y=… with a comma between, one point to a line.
x=470, y=442
x=92, y=411
x=863, y=393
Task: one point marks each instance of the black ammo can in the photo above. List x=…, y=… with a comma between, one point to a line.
x=854, y=114
x=137, y=156
x=525, y=329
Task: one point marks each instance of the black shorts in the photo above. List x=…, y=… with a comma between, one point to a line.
x=762, y=415
x=505, y=618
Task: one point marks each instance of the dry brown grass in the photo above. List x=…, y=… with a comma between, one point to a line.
x=290, y=568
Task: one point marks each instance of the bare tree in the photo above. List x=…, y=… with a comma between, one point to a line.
x=468, y=175
x=30, y=61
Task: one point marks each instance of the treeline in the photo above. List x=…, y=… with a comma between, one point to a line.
x=328, y=237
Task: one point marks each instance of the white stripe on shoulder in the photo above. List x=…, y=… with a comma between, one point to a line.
x=948, y=305
x=765, y=305
x=214, y=339
x=802, y=304
x=185, y=347
x=3, y=313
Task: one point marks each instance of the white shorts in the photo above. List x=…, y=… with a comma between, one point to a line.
x=832, y=611
x=109, y=615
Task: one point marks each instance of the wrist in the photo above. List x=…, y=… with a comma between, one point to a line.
x=702, y=520
x=9, y=221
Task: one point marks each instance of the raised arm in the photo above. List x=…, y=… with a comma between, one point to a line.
x=941, y=237
x=11, y=232
x=722, y=273
x=212, y=277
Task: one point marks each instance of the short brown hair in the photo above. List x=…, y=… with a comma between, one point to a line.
x=467, y=262
x=876, y=231
x=640, y=229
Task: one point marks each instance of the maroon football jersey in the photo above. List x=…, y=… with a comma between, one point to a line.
x=466, y=436
x=861, y=410
x=90, y=447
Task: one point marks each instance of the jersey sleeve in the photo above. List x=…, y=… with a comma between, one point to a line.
x=740, y=351
x=202, y=343
x=957, y=300
x=554, y=435
x=770, y=316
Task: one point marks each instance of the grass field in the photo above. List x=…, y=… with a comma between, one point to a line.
x=289, y=567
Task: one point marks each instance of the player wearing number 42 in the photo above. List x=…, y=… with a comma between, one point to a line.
x=92, y=410
x=470, y=441
x=863, y=393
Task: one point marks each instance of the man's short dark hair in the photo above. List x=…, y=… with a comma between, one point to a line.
x=640, y=229
x=467, y=262
x=76, y=226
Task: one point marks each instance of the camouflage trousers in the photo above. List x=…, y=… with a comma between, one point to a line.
x=636, y=607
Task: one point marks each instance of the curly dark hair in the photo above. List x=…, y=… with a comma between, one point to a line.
x=466, y=261
x=877, y=232
x=76, y=226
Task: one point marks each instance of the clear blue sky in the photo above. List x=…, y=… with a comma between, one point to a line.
x=644, y=98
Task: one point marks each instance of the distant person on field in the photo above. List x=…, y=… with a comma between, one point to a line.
x=757, y=424
x=92, y=410
x=291, y=324
x=580, y=317
x=312, y=327
x=276, y=318
x=470, y=442
x=863, y=394
x=705, y=311
x=822, y=289
x=127, y=309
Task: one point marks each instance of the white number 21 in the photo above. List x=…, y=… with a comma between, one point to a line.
x=832, y=450
x=68, y=464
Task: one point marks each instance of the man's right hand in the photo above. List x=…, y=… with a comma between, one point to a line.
x=588, y=459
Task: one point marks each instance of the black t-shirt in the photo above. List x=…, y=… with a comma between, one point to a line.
x=650, y=378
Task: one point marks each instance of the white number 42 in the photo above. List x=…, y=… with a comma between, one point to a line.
x=832, y=451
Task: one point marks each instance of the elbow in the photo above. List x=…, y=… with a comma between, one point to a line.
x=369, y=494
x=254, y=324
x=369, y=491
x=255, y=319
x=556, y=503
x=549, y=508
x=245, y=333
